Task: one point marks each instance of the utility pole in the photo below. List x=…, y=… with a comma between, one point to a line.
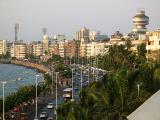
x=72, y=86
x=36, y=117
x=81, y=77
x=3, y=83
x=52, y=79
x=56, y=92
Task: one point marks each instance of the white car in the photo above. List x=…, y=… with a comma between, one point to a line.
x=50, y=106
x=43, y=115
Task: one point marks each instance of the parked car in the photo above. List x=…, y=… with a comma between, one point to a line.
x=50, y=106
x=43, y=115
x=76, y=88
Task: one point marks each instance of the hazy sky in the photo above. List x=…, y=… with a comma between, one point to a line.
x=67, y=16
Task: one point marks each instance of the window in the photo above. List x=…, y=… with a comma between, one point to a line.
x=149, y=43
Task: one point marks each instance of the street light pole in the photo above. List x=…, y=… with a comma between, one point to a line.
x=81, y=77
x=138, y=89
x=52, y=79
x=3, y=83
x=134, y=67
x=56, y=92
x=88, y=73
x=72, y=87
x=36, y=118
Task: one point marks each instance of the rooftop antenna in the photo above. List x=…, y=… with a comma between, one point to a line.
x=16, y=28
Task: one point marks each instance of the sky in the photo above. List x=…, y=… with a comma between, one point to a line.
x=68, y=16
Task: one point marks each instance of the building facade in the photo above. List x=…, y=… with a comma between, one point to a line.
x=83, y=35
x=37, y=49
x=153, y=42
x=18, y=50
x=45, y=43
x=71, y=48
x=3, y=47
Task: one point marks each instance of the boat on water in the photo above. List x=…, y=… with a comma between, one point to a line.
x=18, y=79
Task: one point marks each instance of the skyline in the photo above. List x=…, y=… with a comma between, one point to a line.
x=67, y=17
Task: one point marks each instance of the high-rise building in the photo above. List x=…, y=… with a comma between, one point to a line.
x=140, y=20
x=83, y=35
x=3, y=47
x=46, y=43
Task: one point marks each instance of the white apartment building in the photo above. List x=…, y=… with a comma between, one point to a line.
x=18, y=50
x=153, y=42
x=3, y=47
x=96, y=48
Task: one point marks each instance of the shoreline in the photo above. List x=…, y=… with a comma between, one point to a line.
x=40, y=68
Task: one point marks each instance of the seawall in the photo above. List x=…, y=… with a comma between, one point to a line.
x=39, y=67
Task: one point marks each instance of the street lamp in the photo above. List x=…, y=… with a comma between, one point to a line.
x=52, y=79
x=56, y=92
x=3, y=83
x=81, y=77
x=138, y=88
x=72, y=87
x=36, y=118
x=134, y=66
x=96, y=68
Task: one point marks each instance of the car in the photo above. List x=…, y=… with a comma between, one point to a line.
x=43, y=115
x=50, y=106
x=76, y=88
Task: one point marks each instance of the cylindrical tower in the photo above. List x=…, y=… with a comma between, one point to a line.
x=140, y=20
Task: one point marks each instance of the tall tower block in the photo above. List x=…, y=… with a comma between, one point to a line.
x=16, y=28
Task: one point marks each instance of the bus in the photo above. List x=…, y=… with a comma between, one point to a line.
x=67, y=93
